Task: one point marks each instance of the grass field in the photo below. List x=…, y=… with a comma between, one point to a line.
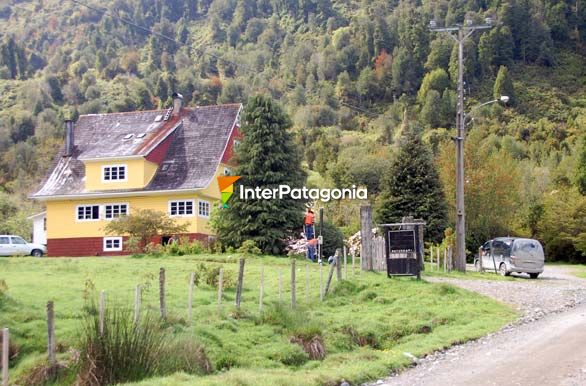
x=368, y=322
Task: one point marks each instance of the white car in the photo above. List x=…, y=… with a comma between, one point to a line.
x=16, y=246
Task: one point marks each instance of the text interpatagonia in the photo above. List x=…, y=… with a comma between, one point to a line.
x=304, y=193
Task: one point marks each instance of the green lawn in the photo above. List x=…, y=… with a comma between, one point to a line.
x=392, y=316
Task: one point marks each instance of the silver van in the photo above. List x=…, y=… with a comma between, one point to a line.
x=509, y=254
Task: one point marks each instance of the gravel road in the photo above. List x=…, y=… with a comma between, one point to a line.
x=546, y=346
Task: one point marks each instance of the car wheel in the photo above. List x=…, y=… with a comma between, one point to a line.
x=37, y=253
x=503, y=270
x=533, y=275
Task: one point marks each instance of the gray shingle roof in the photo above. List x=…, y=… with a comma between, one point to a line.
x=199, y=139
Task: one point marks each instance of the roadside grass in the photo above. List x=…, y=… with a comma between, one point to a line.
x=470, y=274
x=578, y=270
x=367, y=322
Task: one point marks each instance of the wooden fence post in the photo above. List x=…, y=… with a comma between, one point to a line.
x=262, y=288
x=240, y=282
x=5, y=354
x=366, y=237
x=330, y=275
x=445, y=260
x=345, y=264
x=307, y=283
x=449, y=259
x=102, y=311
x=162, y=302
x=280, y=286
x=321, y=282
x=353, y=257
x=51, y=333
x=431, y=256
x=338, y=264
x=220, y=285
x=293, y=284
x=480, y=259
x=137, y=301
x=190, y=297
x=437, y=250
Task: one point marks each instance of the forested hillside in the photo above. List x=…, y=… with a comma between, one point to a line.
x=352, y=75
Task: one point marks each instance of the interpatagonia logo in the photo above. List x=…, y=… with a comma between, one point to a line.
x=226, y=184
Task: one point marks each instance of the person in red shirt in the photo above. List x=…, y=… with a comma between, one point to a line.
x=308, y=224
x=311, y=249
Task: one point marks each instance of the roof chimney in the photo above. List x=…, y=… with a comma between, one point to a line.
x=177, y=103
x=68, y=138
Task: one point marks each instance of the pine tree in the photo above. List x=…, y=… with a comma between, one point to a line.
x=411, y=187
x=503, y=85
x=267, y=158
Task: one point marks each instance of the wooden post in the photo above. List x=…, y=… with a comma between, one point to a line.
x=330, y=275
x=162, y=302
x=51, y=333
x=353, y=257
x=480, y=259
x=240, y=282
x=431, y=255
x=445, y=260
x=5, y=354
x=262, y=288
x=438, y=257
x=280, y=286
x=366, y=237
x=293, y=285
x=307, y=283
x=345, y=264
x=190, y=297
x=220, y=285
x=137, y=300
x=321, y=282
x=449, y=259
x=102, y=311
x=338, y=265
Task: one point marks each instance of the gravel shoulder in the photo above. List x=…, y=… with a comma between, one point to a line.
x=545, y=346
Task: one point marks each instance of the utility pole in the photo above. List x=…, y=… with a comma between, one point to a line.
x=460, y=33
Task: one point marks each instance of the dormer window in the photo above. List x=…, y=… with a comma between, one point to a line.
x=114, y=173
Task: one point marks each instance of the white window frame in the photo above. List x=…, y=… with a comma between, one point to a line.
x=236, y=144
x=112, y=204
x=209, y=207
x=181, y=215
x=76, y=214
x=105, y=181
x=112, y=249
x=227, y=171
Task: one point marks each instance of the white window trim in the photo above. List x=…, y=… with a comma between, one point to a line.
x=181, y=215
x=77, y=219
x=209, y=208
x=227, y=171
x=114, y=203
x=112, y=249
x=125, y=166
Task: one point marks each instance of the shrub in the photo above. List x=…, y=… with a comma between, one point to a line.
x=3, y=291
x=249, y=248
x=124, y=353
x=210, y=273
x=155, y=250
x=187, y=356
x=333, y=238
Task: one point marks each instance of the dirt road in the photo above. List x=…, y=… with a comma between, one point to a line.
x=547, y=346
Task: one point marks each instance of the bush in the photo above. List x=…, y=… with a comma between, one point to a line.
x=333, y=238
x=187, y=356
x=210, y=273
x=3, y=291
x=184, y=247
x=249, y=248
x=124, y=353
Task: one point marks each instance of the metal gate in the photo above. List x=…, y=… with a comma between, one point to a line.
x=403, y=249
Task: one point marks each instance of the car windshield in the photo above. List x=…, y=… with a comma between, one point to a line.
x=18, y=240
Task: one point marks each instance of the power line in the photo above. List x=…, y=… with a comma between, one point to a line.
x=202, y=51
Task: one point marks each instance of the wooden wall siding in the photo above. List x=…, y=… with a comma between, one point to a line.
x=379, y=261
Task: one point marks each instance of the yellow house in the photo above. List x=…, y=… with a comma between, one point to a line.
x=112, y=164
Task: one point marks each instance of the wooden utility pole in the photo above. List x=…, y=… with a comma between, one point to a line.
x=366, y=237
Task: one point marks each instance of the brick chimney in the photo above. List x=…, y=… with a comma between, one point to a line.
x=69, y=141
x=177, y=103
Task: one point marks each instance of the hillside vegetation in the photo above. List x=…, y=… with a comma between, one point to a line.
x=352, y=75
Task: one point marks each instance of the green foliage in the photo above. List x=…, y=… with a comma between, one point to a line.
x=267, y=158
x=333, y=238
x=144, y=224
x=12, y=220
x=581, y=169
x=411, y=187
x=249, y=247
x=210, y=275
x=503, y=85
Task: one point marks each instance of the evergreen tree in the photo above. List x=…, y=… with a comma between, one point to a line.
x=503, y=85
x=267, y=158
x=430, y=113
x=411, y=187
